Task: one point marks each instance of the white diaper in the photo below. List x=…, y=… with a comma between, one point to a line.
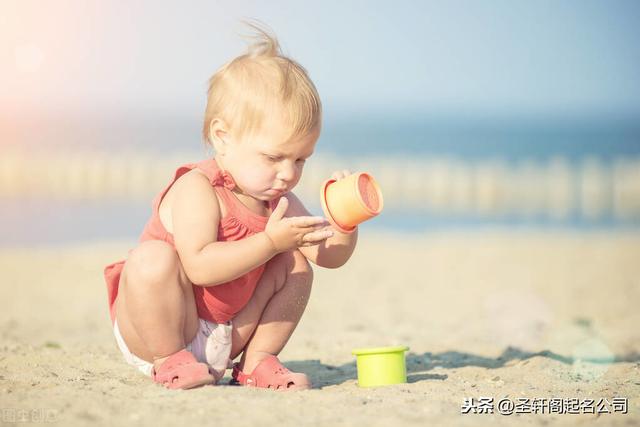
x=211, y=345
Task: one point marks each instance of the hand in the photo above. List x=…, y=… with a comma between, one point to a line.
x=337, y=175
x=294, y=232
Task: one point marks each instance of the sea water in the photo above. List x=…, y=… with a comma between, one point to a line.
x=29, y=221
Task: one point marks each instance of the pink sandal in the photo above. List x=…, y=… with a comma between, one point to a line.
x=182, y=370
x=270, y=373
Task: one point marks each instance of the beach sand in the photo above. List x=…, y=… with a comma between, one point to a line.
x=496, y=314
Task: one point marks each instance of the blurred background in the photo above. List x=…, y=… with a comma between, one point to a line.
x=504, y=134
x=469, y=114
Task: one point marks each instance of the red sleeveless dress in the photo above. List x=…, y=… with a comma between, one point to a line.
x=218, y=303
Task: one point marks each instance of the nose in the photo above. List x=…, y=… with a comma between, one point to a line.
x=287, y=172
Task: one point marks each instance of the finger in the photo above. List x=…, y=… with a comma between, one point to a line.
x=308, y=221
x=310, y=228
x=280, y=209
x=317, y=236
x=307, y=244
x=306, y=230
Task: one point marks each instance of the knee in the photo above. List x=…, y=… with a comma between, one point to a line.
x=299, y=271
x=152, y=264
x=302, y=266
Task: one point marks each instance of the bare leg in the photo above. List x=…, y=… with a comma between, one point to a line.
x=266, y=323
x=155, y=308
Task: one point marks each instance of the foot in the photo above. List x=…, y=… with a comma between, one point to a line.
x=270, y=373
x=181, y=370
x=158, y=362
x=249, y=362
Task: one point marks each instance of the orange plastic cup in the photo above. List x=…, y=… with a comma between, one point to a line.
x=349, y=201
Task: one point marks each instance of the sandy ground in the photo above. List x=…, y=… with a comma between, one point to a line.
x=486, y=314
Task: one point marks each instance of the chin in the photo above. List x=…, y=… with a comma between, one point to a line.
x=270, y=198
x=264, y=197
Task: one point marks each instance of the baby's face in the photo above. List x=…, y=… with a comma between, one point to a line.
x=269, y=163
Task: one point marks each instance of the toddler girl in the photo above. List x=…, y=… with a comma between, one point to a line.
x=222, y=268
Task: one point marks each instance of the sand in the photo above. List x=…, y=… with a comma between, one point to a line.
x=497, y=314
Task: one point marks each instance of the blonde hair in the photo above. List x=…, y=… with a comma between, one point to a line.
x=263, y=80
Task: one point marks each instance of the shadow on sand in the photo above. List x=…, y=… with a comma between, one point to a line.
x=418, y=366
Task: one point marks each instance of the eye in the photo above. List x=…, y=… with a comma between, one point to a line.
x=273, y=158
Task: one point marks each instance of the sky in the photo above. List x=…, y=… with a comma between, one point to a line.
x=79, y=58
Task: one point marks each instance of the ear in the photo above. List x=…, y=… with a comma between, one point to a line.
x=218, y=135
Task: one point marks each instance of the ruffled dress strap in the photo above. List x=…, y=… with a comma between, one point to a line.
x=224, y=184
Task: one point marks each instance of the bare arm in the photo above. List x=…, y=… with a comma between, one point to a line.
x=208, y=262
x=195, y=218
x=335, y=251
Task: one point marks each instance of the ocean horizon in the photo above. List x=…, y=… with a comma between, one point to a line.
x=32, y=220
x=357, y=135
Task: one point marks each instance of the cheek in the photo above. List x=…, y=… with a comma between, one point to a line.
x=258, y=176
x=298, y=175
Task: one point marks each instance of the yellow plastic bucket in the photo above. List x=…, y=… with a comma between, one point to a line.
x=381, y=366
